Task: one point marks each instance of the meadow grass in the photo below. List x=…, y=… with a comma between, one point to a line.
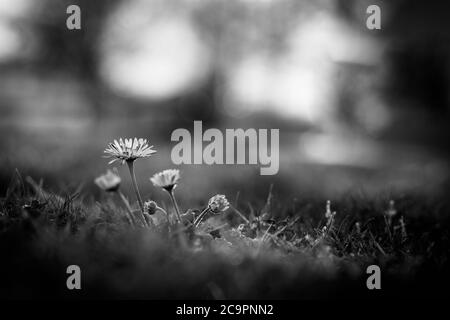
x=277, y=251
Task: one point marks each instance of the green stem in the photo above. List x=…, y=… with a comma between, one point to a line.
x=200, y=217
x=174, y=201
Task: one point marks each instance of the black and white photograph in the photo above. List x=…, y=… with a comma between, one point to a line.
x=208, y=151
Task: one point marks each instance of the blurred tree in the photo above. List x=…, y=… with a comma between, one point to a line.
x=73, y=51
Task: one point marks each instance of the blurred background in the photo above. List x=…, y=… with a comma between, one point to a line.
x=357, y=109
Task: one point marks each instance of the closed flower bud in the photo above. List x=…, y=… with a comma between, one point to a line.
x=150, y=207
x=218, y=203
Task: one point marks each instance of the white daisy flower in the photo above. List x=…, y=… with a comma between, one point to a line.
x=166, y=179
x=128, y=150
x=108, y=182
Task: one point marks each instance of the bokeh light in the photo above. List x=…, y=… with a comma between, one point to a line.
x=163, y=58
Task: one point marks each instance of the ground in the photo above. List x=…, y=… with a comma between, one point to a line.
x=282, y=251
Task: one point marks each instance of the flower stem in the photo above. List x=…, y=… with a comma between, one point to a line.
x=158, y=208
x=174, y=201
x=136, y=189
x=240, y=215
x=200, y=217
x=148, y=220
x=127, y=205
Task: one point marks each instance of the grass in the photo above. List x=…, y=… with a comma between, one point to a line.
x=274, y=251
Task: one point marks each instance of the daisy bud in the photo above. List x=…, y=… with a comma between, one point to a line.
x=150, y=207
x=218, y=203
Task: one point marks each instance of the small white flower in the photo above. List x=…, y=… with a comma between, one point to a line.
x=328, y=213
x=128, y=150
x=358, y=227
x=218, y=203
x=167, y=179
x=390, y=212
x=109, y=181
x=403, y=228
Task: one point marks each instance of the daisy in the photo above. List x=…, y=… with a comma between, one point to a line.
x=216, y=204
x=390, y=213
x=127, y=151
x=168, y=180
x=109, y=182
